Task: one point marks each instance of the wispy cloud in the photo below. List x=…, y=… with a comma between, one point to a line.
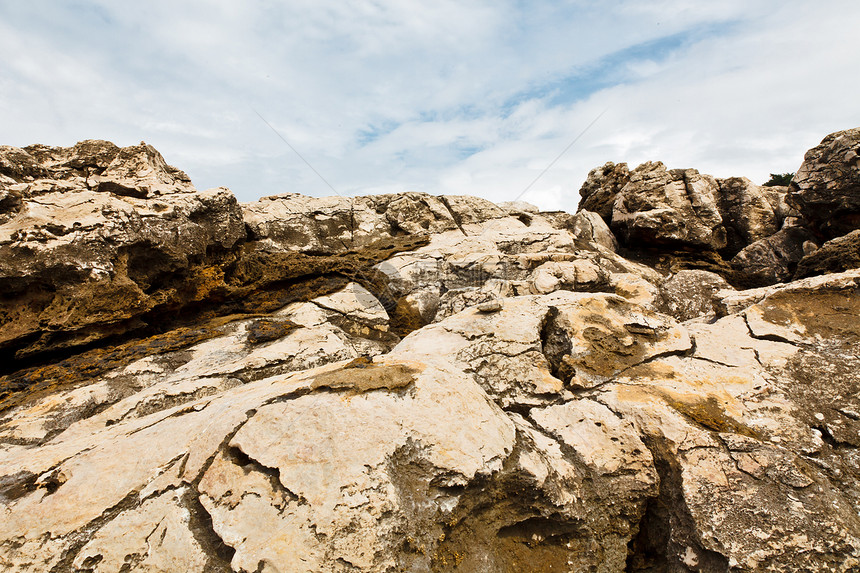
x=445, y=97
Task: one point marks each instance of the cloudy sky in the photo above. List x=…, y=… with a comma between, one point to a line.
x=498, y=98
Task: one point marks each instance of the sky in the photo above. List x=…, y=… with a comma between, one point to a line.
x=503, y=99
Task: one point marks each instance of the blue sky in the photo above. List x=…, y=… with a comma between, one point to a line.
x=467, y=97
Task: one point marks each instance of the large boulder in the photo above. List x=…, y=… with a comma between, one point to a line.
x=826, y=188
x=601, y=187
x=674, y=208
x=747, y=211
x=775, y=258
x=589, y=226
x=834, y=256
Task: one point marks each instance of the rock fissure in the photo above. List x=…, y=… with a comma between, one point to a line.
x=668, y=528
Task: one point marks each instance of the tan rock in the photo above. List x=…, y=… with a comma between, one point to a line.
x=156, y=536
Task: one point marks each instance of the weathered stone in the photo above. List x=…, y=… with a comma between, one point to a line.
x=671, y=208
x=748, y=215
x=588, y=226
x=156, y=536
x=468, y=210
x=273, y=421
x=776, y=196
x=775, y=258
x=601, y=187
x=518, y=207
x=66, y=285
x=826, y=188
x=691, y=294
x=834, y=256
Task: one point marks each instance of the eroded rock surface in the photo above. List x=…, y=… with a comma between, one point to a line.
x=677, y=207
x=826, y=188
x=836, y=255
x=416, y=383
x=602, y=187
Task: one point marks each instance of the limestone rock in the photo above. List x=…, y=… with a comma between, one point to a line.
x=137, y=171
x=543, y=411
x=77, y=265
x=588, y=226
x=691, y=294
x=826, y=188
x=601, y=187
x=774, y=258
x=748, y=215
x=518, y=207
x=468, y=210
x=326, y=225
x=669, y=207
x=581, y=274
x=777, y=197
x=834, y=256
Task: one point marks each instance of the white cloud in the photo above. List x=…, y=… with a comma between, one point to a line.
x=449, y=96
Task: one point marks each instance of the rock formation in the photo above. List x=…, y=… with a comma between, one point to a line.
x=825, y=188
x=417, y=383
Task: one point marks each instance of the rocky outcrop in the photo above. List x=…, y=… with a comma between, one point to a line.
x=415, y=383
x=100, y=236
x=837, y=255
x=826, y=188
x=775, y=258
x=680, y=219
x=749, y=212
x=669, y=208
x=602, y=186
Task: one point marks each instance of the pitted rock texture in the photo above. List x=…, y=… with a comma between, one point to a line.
x=836, y=255
x=669, y=207
x=826, y=188
x=417, y=383
x=602, y=187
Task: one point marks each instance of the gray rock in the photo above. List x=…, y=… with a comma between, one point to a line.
x=748, y=215
x=601, y=187
x=834, y=256
x=774, y=258
x=670, y=208
x=826, y=188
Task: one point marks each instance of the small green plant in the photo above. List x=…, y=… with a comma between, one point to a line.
x=779, y=179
